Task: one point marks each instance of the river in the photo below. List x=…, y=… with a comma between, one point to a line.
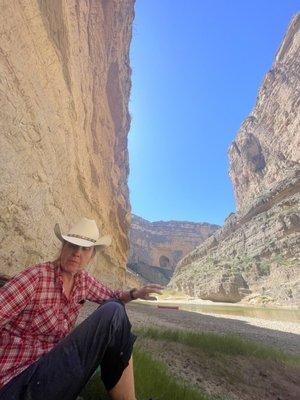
x=266, y=313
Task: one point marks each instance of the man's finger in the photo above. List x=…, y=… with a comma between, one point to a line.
x=157, y=291
x=151, y=298
x=155, y=286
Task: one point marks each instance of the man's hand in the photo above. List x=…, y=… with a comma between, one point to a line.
x=145, y=292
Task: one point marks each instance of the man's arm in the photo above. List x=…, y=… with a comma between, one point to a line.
x=98, y=292
x=143, y=293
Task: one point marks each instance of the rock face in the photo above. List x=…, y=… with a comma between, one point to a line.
x=156, y=247
x=64, y=89
x=267, y=146
x=256, y=254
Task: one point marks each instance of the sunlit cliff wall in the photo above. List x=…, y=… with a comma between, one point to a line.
x=255, y=256
x=267, y=147
x=64, y=90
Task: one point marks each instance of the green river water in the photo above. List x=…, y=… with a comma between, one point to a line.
x=267, y=313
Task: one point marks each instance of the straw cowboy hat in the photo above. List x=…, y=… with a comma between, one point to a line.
x=84, y=233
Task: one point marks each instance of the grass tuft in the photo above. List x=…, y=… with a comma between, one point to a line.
x=94, y=389
x=152, y=380
x=152, y=377
x=214, y=344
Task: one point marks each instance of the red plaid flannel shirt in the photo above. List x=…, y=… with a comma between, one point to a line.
x=35, y=314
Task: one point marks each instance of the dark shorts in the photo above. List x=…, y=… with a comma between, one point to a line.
x=104, y=339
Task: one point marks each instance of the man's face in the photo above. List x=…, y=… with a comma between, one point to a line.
x=73, y=258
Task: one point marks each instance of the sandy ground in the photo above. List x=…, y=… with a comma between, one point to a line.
x=236, y=377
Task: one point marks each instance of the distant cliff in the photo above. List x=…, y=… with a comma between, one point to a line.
x=256, y=254
x=64, y=91
x=156, y=247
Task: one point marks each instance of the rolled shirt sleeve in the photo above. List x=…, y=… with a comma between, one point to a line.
x=98, y=292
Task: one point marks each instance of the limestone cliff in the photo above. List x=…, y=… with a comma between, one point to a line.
x=256, y=254
x=64, y=90
x=156, y=247
x=267, y=146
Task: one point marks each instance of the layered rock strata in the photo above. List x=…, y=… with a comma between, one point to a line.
x=156, y=247
x=256, y=254
x=267, y=146
x=64, y=90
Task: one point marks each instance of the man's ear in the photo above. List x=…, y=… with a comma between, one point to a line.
x=94, y=253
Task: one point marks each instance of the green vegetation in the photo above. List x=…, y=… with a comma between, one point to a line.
x=149, y=373
x=94, y=390
x=264, y=266
x=245, y=262
x=284, y=261
x=214, y=344
x=154, y=381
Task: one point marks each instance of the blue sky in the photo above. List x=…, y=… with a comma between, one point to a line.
x=196, y=69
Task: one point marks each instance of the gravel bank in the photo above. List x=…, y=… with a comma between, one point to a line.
x=283, y=335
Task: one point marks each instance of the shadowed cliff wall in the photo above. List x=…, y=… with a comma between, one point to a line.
x=64, y=90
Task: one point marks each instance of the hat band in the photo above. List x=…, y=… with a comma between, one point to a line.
x=83, y=237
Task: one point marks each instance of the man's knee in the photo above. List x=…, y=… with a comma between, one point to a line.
x=111, y=308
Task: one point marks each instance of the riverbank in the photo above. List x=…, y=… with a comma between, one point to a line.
x=192, y=300
x=282, y=335
x=225, y=310
x=234, y=376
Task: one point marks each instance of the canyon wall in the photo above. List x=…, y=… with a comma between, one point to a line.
x=156, y=247
x=267, y=147
x=255, y=257
x=64, y=91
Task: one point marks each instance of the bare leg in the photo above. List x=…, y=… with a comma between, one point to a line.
x=124, y=389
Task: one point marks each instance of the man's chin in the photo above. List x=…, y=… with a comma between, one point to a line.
x=73, y=267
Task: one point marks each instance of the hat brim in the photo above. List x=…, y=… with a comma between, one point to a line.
x=102, y=241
